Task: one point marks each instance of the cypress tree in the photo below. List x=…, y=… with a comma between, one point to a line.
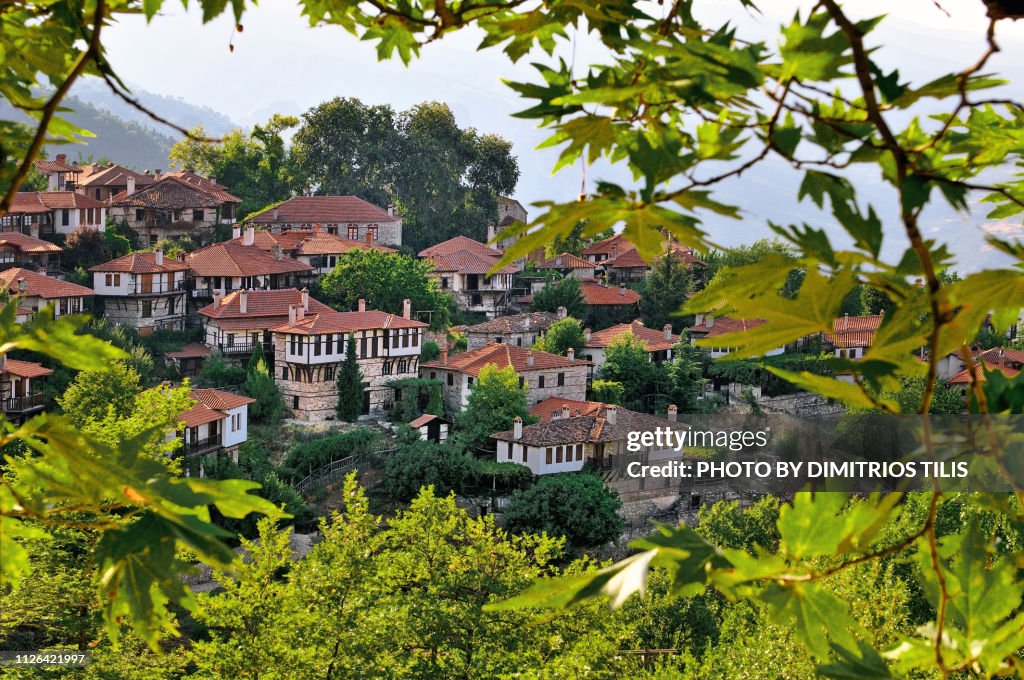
x=350, y=384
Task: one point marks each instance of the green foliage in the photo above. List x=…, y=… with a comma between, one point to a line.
x=762, y=372
x=495, y=399
x=216, y=372
x=627, y=362
x=607, y=391
x=430, y=351
x=86, y=247
x=909, y=395
x=577, y=506
x=93, y=394
x=564, y=293
x=350, y=384
x=727, y=525
x=311, y=455
x=560, y=336
x=663, y=292
x=686, y=376
x=417, y=397
x=385, y=280
x=268, y=409
x=256, y=358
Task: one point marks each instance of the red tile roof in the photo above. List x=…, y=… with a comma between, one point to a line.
x=424, y=419
x=469, y=262
x=211, y=405
x=553, y=406
x=140, y=263
x=596, y=294
x=44, y=201
x=502, y=355
x=617, y=243
x=331, y=321
x=592, y=427
x=193, y=350
x=47, y=167
x=27, y=203
x=854, y=331
x=234, y=259
x=652, y=337
x=323, y=209
x=965, y=377
x=39, y=285
x=27, y=244
x=725, y=324
x=23, y=369
x=310, y=242
x=218, y=191
x=112, y=175
x=1001, y=355
x=460, y=243
x=272, y=304
x=172, y=193
x=565, y=261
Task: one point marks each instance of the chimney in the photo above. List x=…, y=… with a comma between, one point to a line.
x=131, y=185
x=709, y=321
x=273, y=214
x=673, y=412
x=391, y=209
x=213, y=180
x=316, y=228
x=529, y=358
x=300, y=312
x=33, y=230
x=668, y=331
x=62, y=158
x=369, y=237
x=277, y=251
x=565, y=412
x=236, y=231
x=291, y=315
x=444, y=357
x=407, y=308
x=249, y=237
x=158, y=257
x=517, y=428
x=157, y=173
x=243, y=301
x=622, y=289
x=218, y=295
x=305, y=299
x=526, y=322
x=698, y=320
x=562, y=312
x=586, y=334
x=362, y=304
x=570, y=354
x=611, y=414
x=42, y=271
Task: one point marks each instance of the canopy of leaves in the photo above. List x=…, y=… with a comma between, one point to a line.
x=562, y=293
x=562, y=335
x=577, y=506
x=495, y=399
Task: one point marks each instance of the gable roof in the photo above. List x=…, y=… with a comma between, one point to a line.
x=23, y=369
x=1001, y=355
x=140, y=263
x=330, y=321
x=460, y=243
x=44, y=201
x=854, y=331
x=39, y=285
x=211, y=404
x=311, y=242
x=112, y=175
x=617, y=243
x=49, y=167
x=469, y=262
x=193, y=350
x=596, y=294
x=652, y=337
x=515, y=323
x=965, y=377
x=565, y=261
x=269, y=305
x=172, y=193
x=592, y=427
x=218, y=191
x=553, y=406
x=233, y=259
x=502, y=355
x=329, y=209
x=725, y=324
x=425, y=419
x=27, y=244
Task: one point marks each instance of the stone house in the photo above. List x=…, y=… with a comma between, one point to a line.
x=707, y=327
x=315, y=247
x=22, y=250
x=607, y=306
x=521, y=330
x=569, y=265
x=60, y=176
x=20, y=393
x=234, y=323
x=573, y=433
x=35, y=290
x=309, y=350
x=53, y=212
x=217, y=423
x=103, y=182
x=851, y=336
x=232, y=266
x=542, y=373
x=431, y=428
x=174, y=206
x=463, y=267
x=145, y=291
x=659, y=342
x=1009, y=362
x=510, y=211
x=348, y=216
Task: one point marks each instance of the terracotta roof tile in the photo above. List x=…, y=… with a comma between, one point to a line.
x=965, y=377
x=140, y=263
x=27, y=244
x=596, y=294
x=310, y=242
x=47, y=167
x=565, y=261
x=23, y=369
x=323, y=209
x=218, y=191
x=29, y=201
x=193, y=350
x=854, y=331
x=592, y=427
x=725, y=324
x=234, y=259
x=113, y=175
x=553, y=406
x=515, y=323
x=468, y=262
x=502, y=355
x=219, y=399
x=652, y=337
x=454, y=245
x=39, y=285
x=424, y=419
x=617, y=243
x=172, y=193
x=331, y=321
x=1001, y=355
x=272, y=304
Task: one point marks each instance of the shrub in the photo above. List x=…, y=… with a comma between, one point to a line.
x=577, y=506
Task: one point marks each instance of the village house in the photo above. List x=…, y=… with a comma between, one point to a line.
x=573, y=433
x=145, y=291
x=431, y=428
x=22, y=314
x=188, y=361
x=609, y=305
x=708, y=327
x=234, y=323
x=620, y=260
x=463, y=267
x=60, y=176
x=348, y=216
x=174, y=206
x=542, y=373
x=1007, y=361
x=103, y=182
x=510, y=211
x=232, y=266
x=851, y=336
x=217, y=423
x=521, y=330
x=53, y=212
x=20, y=387
x=317, y=248
x=309, y=350
x=36, y=290
x=21, y=250
x=659, y=343
x=569, y=265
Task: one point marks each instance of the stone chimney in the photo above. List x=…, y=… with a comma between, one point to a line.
x=42, y=271
x=570, y=354
x=391, y=210
x=709, y=321
x=526, y=322
x=243, y=301
x=292, y=314
x=362, y=304
x=369, y=237
x=586, y=334
x=305, y=299
x=131, y=185
x=517, y=428
x=673, y=412
x=249, y=237
x=62, y=158
x=562, y=312
x=218, y=295
x=407, y=308
x=273, y=214
x=277, y=251
x=213, y=180
x=158, y=257
x=300, y=313
x=236, y=231
x=611, y=414
x=529, y=358
x=698, y=320
x=565, y=412
x=444, y=357
x=157, y=173
x=668, y=331
x=622, y=289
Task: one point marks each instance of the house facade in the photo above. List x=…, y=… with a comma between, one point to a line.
x=174, y=206
x=22, y=250
x=104, y=181
x=707, y=327
x=36, y=290
x=21, y=392
x=659, y=343
x=542, y=373
x=317, y=248
x=608, y=305
x=217, y=423
x=231, y=266
x=570, y=265
x=463, y=267
x=521, y=330
x=54, y=212
x=60, y=176
x=347, y=216
x=145, y=291
x=309, y=350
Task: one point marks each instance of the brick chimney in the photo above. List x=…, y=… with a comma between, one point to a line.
x=62, y=158
x=407, y=308
x=570, y=354
x=316, y=228
x=668, y=331
x=444, y=357
x=236, y=231
x=277, y=251
x=218, y=295
x=158, y=257
x=611, y=414
x=249, y=237
x=362, y=304
x=243, y=301
x=305, y=299
x=673, y=412
x=131, y=185
x=369, y=237
x=529, y=358
x=517, y=428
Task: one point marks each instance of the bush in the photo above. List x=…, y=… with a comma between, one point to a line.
x=606, y=391
x=218, y=373
x=430, y=351
x=577, y=506
x=422, y=463
x=311, y=455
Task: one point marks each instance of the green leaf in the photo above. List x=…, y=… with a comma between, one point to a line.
x=865, y=664
x=810, y=611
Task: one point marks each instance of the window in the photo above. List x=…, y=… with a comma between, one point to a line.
x=330, y=344
x=558, y=454
x=316, y=346
x=329, y=374
x=522, y=382
x=524, y=452
x=372, y=233
x=63, y=305
x=385, y=369
x=295, y=349
x=403, y=366
x=549, y=454
x=433, y=375
x=140, y=215
x=147, y=309
x=284, y=373
x=231, y=339
x=65, y=217
x=469, y=381
x=109, y=280
x=444, y=283
x=117, y=279
x=579, y=452
x=177, y=215
x=561, y=379
x=540, y=381
x=497, y=339
x=99, y=194
x=172, y=303
x=236, y=422
x=197, y=215
x=476, y=300
x=353, y=233
x=295, y=403
x=153, y=239
x=415, y=338
x=451, y=379
x=362, y=347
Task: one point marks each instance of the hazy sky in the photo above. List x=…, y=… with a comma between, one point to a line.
x=281, y=64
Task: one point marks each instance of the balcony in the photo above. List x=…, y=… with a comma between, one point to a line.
x=30, y=402
x=244, y=347
x=202, y=446
x=155, y=289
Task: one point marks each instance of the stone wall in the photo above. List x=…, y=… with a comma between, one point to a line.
x=127, y=311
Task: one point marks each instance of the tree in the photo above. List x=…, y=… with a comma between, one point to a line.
x=350, y=384
x=564, y=293
x=218, y=373
x=686, y=376
x=94, y=394
x=385, y=281
x=577, y=506
x=256, y=358
x=260, y=385
x=435, y=404
x=445, y=467
x=607, y=391
x=85, y=247
x=494, y=401
x=663, y=292
x=627, y=362
x=560, y=336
